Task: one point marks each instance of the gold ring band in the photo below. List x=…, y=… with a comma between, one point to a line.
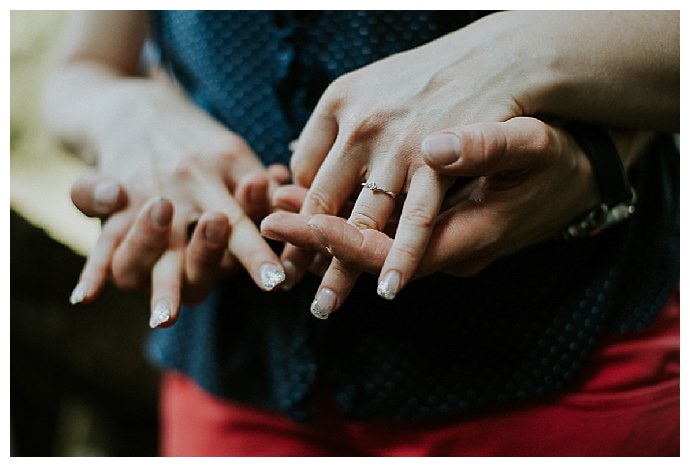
x=377, y=189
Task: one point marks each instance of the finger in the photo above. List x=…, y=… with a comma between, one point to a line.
x=245, y=242
x=315, y=142
x=166, y=285
x=279, y=172
x=416, y=223
x=96, y=270
x=252, y=194
x=371, y=211
x=289, y=198
x=292, y=228
x=463, y=241
x=367, y=249
x=319, y=265
x=143, y=245
x=376, y=200
x=204, y=255
x=335, y=287
x=331, y=188
x=486, y=148
x=97, y=196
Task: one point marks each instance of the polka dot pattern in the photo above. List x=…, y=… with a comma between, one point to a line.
x=522, y=328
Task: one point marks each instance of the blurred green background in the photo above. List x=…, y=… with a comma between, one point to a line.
x=79, y=384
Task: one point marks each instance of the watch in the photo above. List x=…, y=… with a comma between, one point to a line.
x=618, y=198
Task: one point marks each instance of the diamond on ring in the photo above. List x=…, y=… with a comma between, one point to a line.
x=377, y=189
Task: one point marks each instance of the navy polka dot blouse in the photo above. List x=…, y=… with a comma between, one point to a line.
x=520, y=329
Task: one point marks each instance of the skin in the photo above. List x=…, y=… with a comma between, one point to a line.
x=519, y=166
x=171, y=165
x=371, y=124
x=366, y=128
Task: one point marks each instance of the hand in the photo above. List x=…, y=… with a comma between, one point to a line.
x=173, y=166
x=368, y=127
x=530, y=179
x=207, y=256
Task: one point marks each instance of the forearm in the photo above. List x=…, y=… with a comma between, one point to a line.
x=619, y=68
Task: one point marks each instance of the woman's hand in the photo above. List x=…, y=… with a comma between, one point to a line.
x=529, y=180
x=169, y=167
x=368, y=128
x=207, y=256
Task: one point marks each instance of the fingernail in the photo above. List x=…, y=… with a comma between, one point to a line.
x=257, y=194
x=442, y=148
x=388, y=286
x=271, y=276
x=290, y=273
x=161, y=213
x=215, y=232
x=105, y=195
x=160, y=314
x=79, y=293
x=323, y=304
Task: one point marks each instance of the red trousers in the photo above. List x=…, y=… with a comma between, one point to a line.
x=625, y=403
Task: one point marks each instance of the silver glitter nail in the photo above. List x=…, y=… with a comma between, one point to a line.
x=389, y=285
x=161, y=314
x=324, y=303
x=317, y=311
x=271, y=276
x=79, y=293
x=385, y=291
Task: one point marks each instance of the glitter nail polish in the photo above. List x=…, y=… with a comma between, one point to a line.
x=323, y=304
x=160, y=314
x=389, y=286
x=271, y=276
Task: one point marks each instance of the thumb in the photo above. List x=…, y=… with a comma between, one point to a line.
x=97, y=195
x=486, y=148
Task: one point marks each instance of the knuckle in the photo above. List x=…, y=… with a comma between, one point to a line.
x=363, y=221
x=364, y=127
x=542, y=139
x=491, y=143
x=237, y=218
x=128, y=279
x=409, y=254
x=187, y=168
x=318, y=202
x=335, y=95
x=418, y=216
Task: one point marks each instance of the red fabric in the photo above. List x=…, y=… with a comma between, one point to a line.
x=626, y=403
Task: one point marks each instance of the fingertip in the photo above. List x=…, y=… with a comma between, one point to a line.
x=389, y=285
x=324, y=303
x=97, y=196
x=442, y=149
x=161, y=213
x=271, y=276
x=288, y=198
x=83, y=292
x=215, y=228
x=161, y=314
x=279, y=172
x=107, y=197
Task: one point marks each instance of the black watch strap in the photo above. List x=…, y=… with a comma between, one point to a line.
x=617, y=196
x=612, y=178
